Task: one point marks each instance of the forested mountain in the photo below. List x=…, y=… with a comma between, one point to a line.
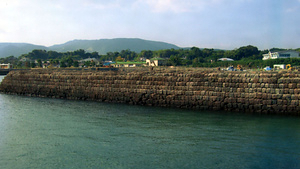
x=17, y=49
x=101, y=46
x=71, y=53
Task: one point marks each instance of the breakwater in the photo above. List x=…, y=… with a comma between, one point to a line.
x=192, y=88
x=4, y=71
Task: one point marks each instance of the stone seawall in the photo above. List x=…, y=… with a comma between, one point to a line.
x=203, y=89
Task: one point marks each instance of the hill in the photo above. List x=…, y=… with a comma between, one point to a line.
x=17, y=49
x=102, y=46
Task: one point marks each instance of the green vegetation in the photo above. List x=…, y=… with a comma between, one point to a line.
x=246, y=56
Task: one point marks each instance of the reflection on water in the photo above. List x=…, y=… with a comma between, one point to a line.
x=52, y=133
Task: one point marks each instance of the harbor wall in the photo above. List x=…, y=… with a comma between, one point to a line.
x=191, y=88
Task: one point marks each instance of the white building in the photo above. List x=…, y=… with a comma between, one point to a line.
x=281, y=54
x=6, y=66
x=156, y=62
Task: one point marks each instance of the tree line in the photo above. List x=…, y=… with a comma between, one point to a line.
x=247, y=56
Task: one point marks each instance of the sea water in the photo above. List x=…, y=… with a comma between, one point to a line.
x=54, y=133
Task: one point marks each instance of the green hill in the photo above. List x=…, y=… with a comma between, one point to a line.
x=17, y=49
x=102, y=46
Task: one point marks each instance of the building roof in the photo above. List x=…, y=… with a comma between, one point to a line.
x=156, y=58
x=284, y=51
x=108, y=63
x=288, y=51
x=125, y=63
x=225, y=59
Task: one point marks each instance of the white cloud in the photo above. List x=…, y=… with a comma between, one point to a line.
x=179, y=6
x=176, y=6
x=7, y=3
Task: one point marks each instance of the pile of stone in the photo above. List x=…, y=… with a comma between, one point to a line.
x=203, y=89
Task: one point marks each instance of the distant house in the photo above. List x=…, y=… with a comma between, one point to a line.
x=156, y=62
x=128, y=64
x=6, y=66
x=281, y=54
x=45, y=65
x=225, y=59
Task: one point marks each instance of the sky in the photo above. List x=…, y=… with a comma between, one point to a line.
x=219, y=24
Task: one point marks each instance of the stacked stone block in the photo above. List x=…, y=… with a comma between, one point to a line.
x=203, y=89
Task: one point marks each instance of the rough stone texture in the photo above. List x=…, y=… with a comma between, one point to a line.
x=203, y=89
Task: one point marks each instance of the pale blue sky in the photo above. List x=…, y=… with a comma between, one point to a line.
x=225, y=24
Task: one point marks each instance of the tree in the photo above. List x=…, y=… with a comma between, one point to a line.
x=69, y=61
x=109, y=56
x=39, y=63
x=194, y=53
x=32, y=65
x=56, y=61
x=120, y=59
x=245, y=52
x=87, y=63
x=27, y=64
x=146, y=54
x=63, y=64
x=19, y=64
x=167, y=53
x=207, y=52
x=95, y=55
x=80, y=52
x=127, y=54
x=54, y=55
x=175, y=60
x=76, y=63
x=38, y=54
x=229, y=54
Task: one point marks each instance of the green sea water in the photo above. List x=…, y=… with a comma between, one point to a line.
x=54, y=133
